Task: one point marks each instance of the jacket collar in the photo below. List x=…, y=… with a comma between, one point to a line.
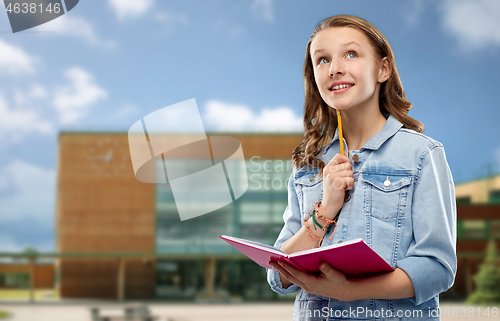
x=391, y=127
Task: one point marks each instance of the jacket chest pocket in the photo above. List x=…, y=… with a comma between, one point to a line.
x=385, y=195
x=309, y=190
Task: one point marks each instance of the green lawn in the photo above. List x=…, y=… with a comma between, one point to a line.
x=42, y=295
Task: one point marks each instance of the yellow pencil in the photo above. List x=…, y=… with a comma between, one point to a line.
x=341, y=138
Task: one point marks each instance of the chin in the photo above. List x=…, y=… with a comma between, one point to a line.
x=339, y=107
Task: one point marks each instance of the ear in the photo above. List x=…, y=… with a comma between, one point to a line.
x=385, y=70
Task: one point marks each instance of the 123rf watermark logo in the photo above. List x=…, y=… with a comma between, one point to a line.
x=170, y=146
x=26, y=14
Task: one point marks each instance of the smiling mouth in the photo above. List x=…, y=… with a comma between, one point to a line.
x=337, y=87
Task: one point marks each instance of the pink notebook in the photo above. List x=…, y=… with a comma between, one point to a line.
x=353, y=258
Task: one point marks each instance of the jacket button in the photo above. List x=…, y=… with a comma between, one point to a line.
x=355, y=158
x=339, y=241
x=311, y=178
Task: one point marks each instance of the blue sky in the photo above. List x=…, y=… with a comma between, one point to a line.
x=107, y=63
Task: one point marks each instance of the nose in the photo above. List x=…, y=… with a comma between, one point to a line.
x=336, y=67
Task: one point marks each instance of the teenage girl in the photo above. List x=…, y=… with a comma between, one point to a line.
x=393, y=188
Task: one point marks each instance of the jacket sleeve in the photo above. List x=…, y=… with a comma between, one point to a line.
x=431, y=261
x=292, y=219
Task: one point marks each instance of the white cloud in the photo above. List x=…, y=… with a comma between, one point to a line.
x=130, y=8
x=170, y=19
x=77, y=27
x=127, y=109
x=27, y=191
x=475, y=24
x=29, y=98
x=497, y=158
x=14, y=60
x=38, y=91
x=8, y=244
x=264, y=9
x=232, y=28
x=221, y=116
x=18, y=121
x=74, y=100
x=412, y=11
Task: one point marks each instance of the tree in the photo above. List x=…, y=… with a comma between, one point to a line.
x=30, y=251
x=487, y=279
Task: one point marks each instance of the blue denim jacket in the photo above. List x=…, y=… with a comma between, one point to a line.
x=410, y=221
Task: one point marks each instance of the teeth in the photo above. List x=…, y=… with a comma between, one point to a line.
x=341, y=86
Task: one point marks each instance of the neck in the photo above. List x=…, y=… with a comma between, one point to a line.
x=359, y=126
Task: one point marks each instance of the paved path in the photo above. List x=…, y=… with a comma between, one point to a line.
x=208, y=312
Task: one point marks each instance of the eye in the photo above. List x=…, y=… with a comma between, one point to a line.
x=352, y=54
x=323, y=61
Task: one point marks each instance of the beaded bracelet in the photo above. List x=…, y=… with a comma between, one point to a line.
x=311, y=234
x=315, y=222
x=324, y=219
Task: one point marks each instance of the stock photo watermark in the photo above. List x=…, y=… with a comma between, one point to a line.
x=26, y=14
x=269, y=174
x=170, y=146
x=362, y=312
x=274, y=174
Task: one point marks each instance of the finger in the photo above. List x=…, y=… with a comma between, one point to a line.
x=273, y=262
x=341, y=183
x=338, y=159
x=278, y=267
x=290, y=278
x=329, y=272
x=344, y=173
x=283, y=270
x=326, y=269
x=342, y=167
x=350, y=183
x=332, y=169
x=347, y=183
x=330, y=178
x=296, y=274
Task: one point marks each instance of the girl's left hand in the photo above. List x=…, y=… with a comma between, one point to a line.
x=330, y=283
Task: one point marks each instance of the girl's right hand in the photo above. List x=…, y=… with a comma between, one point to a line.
x=337, y=178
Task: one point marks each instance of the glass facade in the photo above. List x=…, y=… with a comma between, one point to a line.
x=15, y=280
x=478, y=229
x=199, y=254
x=494, y=197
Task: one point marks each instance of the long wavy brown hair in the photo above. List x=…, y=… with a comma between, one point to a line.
x=320, y=120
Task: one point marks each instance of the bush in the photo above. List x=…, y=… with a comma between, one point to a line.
x=4, y=314
x=487, y=279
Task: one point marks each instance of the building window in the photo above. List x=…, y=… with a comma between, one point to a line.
x=495, y=229
x=19, y=280
x=463, y=200
x=495, y=197
x=474, y=229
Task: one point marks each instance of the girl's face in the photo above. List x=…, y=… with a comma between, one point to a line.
x=346, y=69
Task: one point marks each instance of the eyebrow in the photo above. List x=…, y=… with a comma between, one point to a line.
x=344, y=45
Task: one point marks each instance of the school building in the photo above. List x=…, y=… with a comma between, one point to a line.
x=120, y=238
x=478, y=211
